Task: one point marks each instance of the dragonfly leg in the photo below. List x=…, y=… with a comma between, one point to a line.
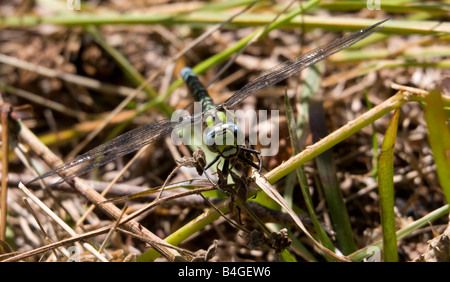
x=207, y=176
x=225, y=170
x=252, y=151
x=213, y=184
x=223, y=176
x=211, y=163
x=249, y=162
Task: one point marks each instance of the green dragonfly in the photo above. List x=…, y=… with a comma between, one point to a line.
x=222, y=135
x=214, y=116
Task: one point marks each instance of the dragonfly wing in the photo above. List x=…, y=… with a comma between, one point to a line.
x=295, y=65
x=117, y=147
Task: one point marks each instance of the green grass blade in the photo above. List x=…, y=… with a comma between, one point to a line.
x=386, y=190
x=303, y=181
x=439, y=138
x=330, y=186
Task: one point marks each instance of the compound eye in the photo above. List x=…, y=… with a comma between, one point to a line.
x=224, y=137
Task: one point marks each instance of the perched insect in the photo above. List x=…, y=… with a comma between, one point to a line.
x=214, y=116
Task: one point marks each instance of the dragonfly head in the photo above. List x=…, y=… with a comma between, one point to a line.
x=224, y=139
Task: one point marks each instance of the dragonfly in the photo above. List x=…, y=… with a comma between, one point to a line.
x=214, y=116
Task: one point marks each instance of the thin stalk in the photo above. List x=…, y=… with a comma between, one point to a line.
x=389, y=7
x=374, y=172
x=59, y=221
x=302, y=178
x=4, y=115
x=328, y=179
x=386, y=190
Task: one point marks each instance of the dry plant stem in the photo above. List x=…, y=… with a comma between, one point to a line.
x=43, y=101
x=113, y=229
x=416, y=91
x=5, y=109
x=163, y=200
x=60, y=222
x=90, y=194
x=176, y=155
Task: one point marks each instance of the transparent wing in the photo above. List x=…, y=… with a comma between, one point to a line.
x=117, y=147
x=295, y=65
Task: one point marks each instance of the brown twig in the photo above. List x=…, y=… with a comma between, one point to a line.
x=5, y=110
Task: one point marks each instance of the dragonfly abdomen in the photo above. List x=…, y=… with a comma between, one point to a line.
x=197, y=89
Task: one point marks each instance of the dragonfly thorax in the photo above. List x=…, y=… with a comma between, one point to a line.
x=224, y=139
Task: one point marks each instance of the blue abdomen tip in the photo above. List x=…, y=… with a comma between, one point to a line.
x=186, y=71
